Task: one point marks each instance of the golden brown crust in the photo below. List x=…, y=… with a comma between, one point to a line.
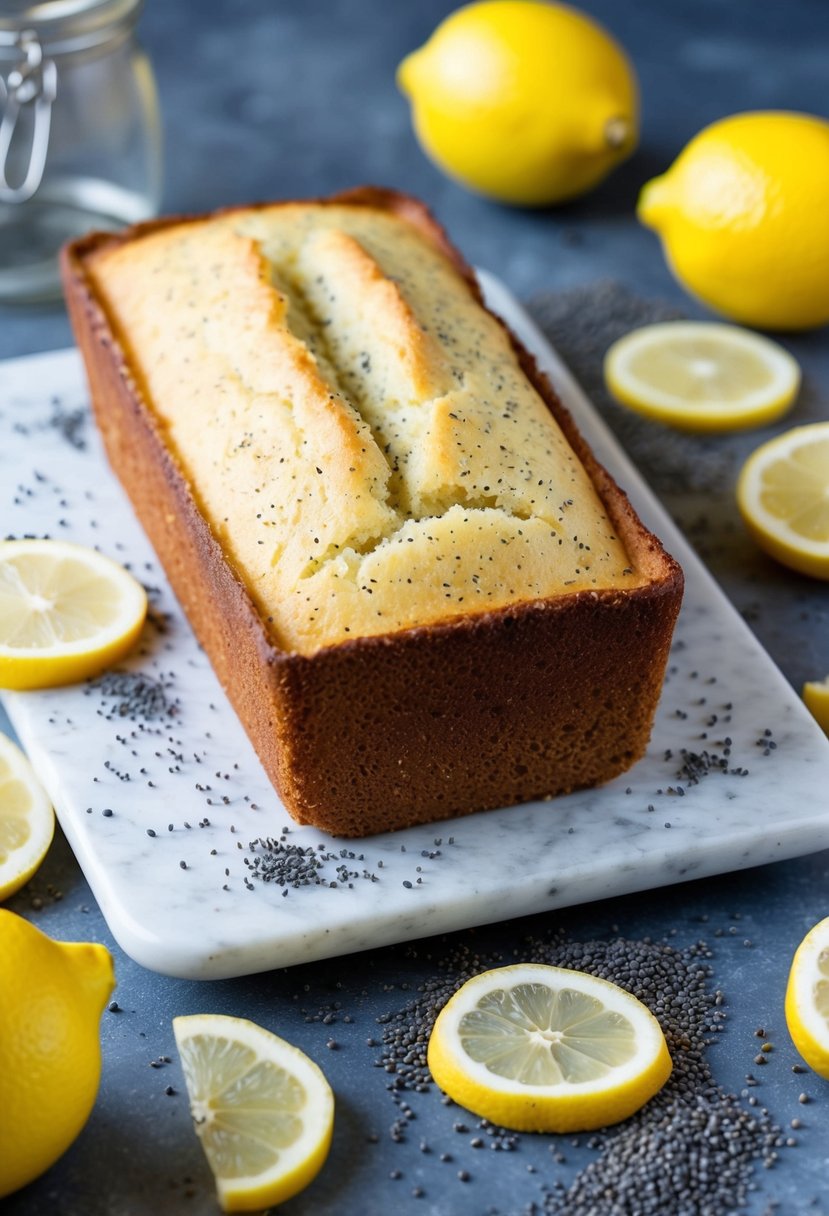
x=379, y=733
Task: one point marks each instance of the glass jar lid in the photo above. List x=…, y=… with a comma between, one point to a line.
x=66, y=25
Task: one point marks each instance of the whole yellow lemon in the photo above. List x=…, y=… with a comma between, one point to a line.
x=743, y=214
x=53, y=995
x=524, y=101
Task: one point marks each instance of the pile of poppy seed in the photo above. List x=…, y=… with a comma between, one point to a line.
x=134, y=695
x=275, y=860
x=691, y=1151
x=68, y=421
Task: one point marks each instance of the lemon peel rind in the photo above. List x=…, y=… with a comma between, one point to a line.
x=816, y=699
x=562, y=1108
x=808, y=1030
x=253, y=1192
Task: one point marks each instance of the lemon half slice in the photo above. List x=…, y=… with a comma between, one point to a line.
x=783, y=496
x=66, y=612
x=807, y=998
x=27, y=821
x=545, y=1049
x=263, y=1109
x=702, y=375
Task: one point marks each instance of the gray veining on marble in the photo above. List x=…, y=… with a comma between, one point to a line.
x=195, y=767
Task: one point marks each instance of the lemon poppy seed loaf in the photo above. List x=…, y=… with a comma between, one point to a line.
x=379, y=519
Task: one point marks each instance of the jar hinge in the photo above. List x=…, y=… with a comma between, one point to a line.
x=34, y=82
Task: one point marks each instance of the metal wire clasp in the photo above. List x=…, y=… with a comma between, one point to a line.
x=33, y=82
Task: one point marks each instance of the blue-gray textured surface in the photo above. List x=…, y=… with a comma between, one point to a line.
x=268, y=100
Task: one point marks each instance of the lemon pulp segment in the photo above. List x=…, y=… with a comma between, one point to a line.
x=543, y=1036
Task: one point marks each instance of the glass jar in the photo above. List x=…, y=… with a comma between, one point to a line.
x=80, y=137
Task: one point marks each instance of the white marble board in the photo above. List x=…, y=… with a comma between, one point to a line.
x=179, y=756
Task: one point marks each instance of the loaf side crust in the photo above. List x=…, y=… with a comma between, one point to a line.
x=427, y=723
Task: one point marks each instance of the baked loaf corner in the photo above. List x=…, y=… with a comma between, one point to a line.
x=423, y=595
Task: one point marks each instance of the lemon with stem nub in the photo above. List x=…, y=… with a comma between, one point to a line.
x=546, y=1049
x=263, y=1110
x=53, y=995
x=27, y=821
x=525, y=102
x=742, y=218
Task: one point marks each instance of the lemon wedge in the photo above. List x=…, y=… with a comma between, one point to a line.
x=263, y=1109
x=27, y=821
x=702, y=375
x=66, y=612
x=816, y=700
x=783, y=496
x=545, y=1049
x=807, y=998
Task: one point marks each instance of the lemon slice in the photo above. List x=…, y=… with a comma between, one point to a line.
x=27, y=821
x=544, y=1049
x=816, y=700
x=783, y=496
x=263, y=1110
x=807, y=998
x=702, y=376
x=66, y=612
